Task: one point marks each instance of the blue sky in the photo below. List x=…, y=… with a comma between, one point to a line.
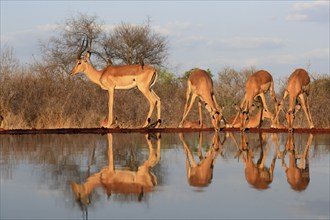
x=278, y=36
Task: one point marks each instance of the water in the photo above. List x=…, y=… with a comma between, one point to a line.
x=148, y=177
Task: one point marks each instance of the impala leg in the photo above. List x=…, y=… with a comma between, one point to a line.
x=192, y=100
x=200, y=114
x=281, y=106
x=263, y=99
x=110, y=106
x=261, y=115
x=186, y=105
x=306, y=110
x=216, y=104
x=219, y=109
x=233, y=124
x=272, y=94
x=158, y=108
x=152, y=101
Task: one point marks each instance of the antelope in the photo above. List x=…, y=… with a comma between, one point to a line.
x=298, y=86
x=254, y=121
x=120, y=180
x=256, y=85
x=200, y=174
x=257, y=174
x=297, y=175
x=200, y=85
x=121, y=77
x=193, y=124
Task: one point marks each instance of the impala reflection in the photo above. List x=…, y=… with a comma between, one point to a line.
x=257, y=173
x=200, y=173
x=297, y=174
x=119, y=180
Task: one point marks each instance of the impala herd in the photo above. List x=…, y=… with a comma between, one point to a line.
x=200, y=85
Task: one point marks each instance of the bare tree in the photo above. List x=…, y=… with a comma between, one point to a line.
x=59, y=51
x=125, y=44
x=129, y=44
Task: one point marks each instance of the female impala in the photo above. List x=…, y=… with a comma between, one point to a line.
x=256, y=85
x=254, y=121
x=298, y=86
x=121, y=77
x=200, y=85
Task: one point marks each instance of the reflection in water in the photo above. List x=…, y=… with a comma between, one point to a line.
x=297, y=175
x=257, y=174
x=118, y=180
x=200, y=174
x=127, y=167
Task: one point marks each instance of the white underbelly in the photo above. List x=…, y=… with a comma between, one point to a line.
x=130, y=86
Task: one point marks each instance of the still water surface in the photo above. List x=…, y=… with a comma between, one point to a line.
x=165, y=176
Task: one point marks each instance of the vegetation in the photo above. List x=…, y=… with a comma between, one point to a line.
x=43, y=95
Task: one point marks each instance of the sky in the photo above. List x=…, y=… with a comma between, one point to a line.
x=277, y=36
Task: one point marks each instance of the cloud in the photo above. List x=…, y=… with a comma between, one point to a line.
x=173, y=28
x=316, y=11
x=46, y=27
x=26, y=36
x=248, y=43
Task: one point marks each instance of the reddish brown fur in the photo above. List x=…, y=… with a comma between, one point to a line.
x=298, y=86
x=200, y=85
x=256, y=85
x=122, y=77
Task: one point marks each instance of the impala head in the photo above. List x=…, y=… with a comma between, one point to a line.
x=215, y=118
x=290, y=115
x=244, y=118
x=81, y=62
x=80, y=193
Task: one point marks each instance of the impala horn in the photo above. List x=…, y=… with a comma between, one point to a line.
x=82, y=48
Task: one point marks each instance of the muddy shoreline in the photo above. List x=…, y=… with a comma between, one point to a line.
x=153, y=130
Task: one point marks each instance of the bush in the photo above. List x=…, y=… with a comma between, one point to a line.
x=41, y=97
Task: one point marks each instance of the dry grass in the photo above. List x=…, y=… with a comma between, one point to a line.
x=30, y=99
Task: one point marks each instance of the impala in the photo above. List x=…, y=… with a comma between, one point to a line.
x=200, y=85
x=121, y=77
x=298, y=86
x=200, y=173
x=297, y=175
x=256, y=85
x=254, y=121
x=193, y=124
x=120, y=180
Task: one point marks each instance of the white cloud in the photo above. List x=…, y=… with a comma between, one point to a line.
x=46, y=27
x=173, y=28
x=25, y=36
x=248, y=43
x=309, y=11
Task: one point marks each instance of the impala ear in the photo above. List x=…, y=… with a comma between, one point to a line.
x=297, y=108
x=87, y=55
